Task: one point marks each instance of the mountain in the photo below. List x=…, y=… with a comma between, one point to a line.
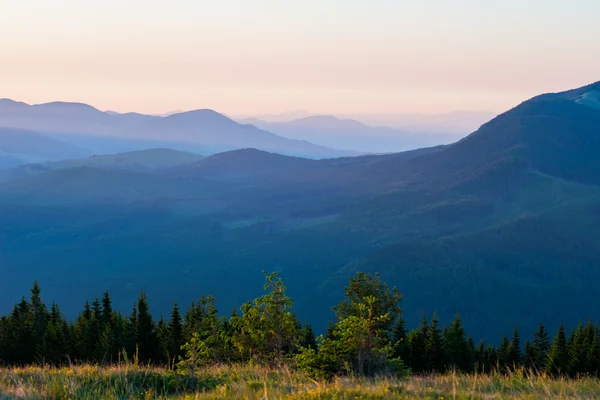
x=207, y=128
x=452, y=123
x=19, y=146
x=500, y=226
x=143, y=160
x=328, y=130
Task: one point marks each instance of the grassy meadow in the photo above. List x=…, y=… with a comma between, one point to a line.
x=256, y=382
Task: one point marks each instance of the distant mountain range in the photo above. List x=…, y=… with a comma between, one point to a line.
x=328, y=130
x=80, y=123
x=501, y=226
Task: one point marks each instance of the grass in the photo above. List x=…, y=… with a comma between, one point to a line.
x=254, y=382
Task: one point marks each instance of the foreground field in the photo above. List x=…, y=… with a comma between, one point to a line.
x=248, y=382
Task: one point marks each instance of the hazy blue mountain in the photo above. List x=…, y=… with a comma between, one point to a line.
x=206, y=128
x=328, y=130
x=143, y=160
x=18, y=146
x=500, y=226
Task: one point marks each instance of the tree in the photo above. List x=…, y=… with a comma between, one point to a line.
x=456, y=350
x=503, y=353
x=40, y=315
x=145, y=334
x=540, y=347
x=400, y=342
x=558, y=358
x=107, y=313
x=434, y=346
x=175, y=334
x=362, y=335
x=578, y=347
x=367, y=285
x=515, y=356
x=308, y=339
x=266, y=325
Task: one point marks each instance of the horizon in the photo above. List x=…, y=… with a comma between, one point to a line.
x=333, y=57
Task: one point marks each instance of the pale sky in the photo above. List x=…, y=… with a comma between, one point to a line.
x=267, y=56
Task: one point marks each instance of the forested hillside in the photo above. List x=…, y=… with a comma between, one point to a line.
x=500, y=226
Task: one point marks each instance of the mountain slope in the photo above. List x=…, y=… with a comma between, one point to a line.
x=143, y=160
x=19, y=146
x=500, y=226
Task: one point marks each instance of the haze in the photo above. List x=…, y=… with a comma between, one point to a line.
x=332, y=56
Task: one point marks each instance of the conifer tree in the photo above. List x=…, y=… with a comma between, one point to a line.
x=456, y=350
x=57, y=337
x=175, y=334
x=578, y=352
x=434, y=346
x=267, y=326
x=515, y=356
x=308, y=339
x=400, y=342
x=558, y=358
x=503, y=353
x=145, y=334
x=593, y=354
x=107, y=313
x=39, y=313
x=540, y=347
x=417, y=340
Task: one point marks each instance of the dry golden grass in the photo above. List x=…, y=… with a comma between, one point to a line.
x=255, y=382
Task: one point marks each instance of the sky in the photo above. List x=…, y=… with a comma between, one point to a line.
x=269, y=56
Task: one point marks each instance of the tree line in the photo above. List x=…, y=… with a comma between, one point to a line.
x=368, y=337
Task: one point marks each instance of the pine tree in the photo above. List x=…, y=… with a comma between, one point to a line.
x=578, y=352
x=417, y=340
x=434, y=346
x=558, y=358
x=145, y=334
x=267, y=327
x=593, y=354
x=456, y=350
x=175, y=334
x=540, y=347
x=308, y=339
x=40, y=315
x=503, y=353
x=400, y=342
x=107, y=313
x=57, y=337
x=515, y=356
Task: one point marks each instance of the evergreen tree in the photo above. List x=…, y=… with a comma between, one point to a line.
x=40, y=315
x=503, y=353
x=578, y=348
x=558, y=358
x=434, y=346
x=456, y=350
x=107, y=313
x=529, y=357
x=267, y=326
x=175, y=334
x=540, y=347
x=308, y=339
x=515, y=356
x=57, y=337
x=593, y=354
x=367, y=285
x=417, y=340
x=145, y=334
x=400, y=341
